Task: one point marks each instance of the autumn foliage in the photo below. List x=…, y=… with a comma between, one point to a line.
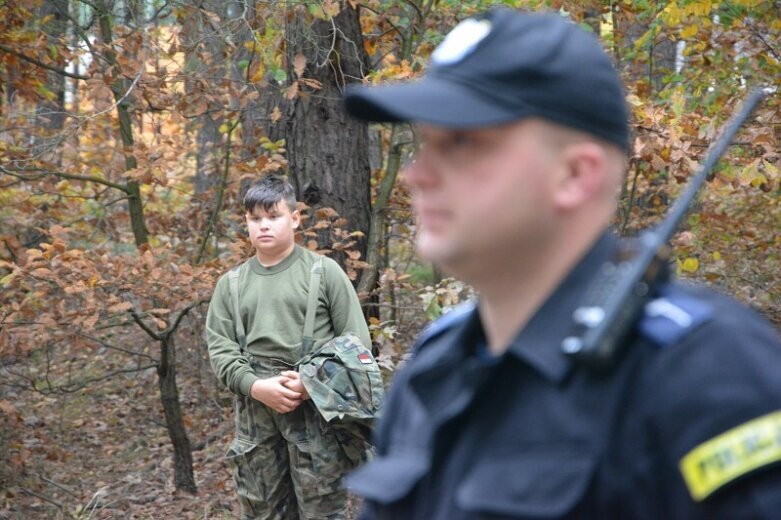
x=131, y=128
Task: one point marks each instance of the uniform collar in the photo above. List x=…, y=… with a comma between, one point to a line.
x=539, y=342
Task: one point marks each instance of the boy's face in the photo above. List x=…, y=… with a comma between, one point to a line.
x=272, y=232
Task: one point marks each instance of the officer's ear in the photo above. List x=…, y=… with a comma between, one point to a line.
x=582, y=176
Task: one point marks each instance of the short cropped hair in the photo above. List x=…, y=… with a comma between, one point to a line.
x=268, y=192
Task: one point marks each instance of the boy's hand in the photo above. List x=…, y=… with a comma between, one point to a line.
x=273, y=393
x=294, y=383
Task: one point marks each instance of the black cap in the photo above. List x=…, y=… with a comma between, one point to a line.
x=502, y=67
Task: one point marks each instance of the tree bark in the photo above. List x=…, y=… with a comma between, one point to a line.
x=169, y=393
x=50, y=109
x=660, y=52
x=204, y=46
x=51, y=112
x=119, y=88
x=379, y=221
x=174, y=419
x=327, y=151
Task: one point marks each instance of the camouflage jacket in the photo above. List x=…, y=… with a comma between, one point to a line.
x=343, y=380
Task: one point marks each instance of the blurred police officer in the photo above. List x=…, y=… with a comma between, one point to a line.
x=524, y=140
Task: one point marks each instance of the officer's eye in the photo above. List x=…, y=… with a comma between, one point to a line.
x=459, y=141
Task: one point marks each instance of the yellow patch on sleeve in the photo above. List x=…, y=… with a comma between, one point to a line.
x=732, y=454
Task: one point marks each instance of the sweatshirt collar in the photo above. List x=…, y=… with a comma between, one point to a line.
x=289, y=260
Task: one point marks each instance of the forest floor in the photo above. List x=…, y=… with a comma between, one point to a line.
x=103, y=452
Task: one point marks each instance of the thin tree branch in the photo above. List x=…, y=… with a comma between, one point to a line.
x=72, y=176
x=221, y=191
x=41, y=64
x=69, y=389
x=42, y=497
x=157, y=13
x=79, y=29
x=767, y=45
x=157, y=336
x=114, y=347
x=182, y=314
x=58, y=485
x=631, y=202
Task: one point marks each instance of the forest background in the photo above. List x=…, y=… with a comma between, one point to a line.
x=130, y=128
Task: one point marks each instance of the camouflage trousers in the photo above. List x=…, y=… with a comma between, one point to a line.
x=290, y=466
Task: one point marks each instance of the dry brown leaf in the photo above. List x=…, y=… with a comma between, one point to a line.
x=299, y=64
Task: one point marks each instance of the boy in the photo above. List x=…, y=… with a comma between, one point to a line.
x=288, y=461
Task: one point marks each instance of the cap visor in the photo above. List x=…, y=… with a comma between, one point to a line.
x=431, y=100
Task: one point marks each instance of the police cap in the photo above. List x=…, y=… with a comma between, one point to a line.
x=504, y=66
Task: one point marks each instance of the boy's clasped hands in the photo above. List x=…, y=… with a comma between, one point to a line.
x=283, y=393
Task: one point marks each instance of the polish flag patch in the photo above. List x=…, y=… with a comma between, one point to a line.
x=365, y=358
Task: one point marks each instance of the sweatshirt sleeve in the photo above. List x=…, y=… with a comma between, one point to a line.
x=346, y=313
x=229, y=364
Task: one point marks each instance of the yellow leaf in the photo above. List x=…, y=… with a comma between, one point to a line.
x=699, y=8
x=672, y=14
x=690, y=265
x=260, y=71
x=634, y=100
x=750, y=175
x=690, y=31
x=224, y=128
x=716, y=256
x=5, y=280
x=250, y=45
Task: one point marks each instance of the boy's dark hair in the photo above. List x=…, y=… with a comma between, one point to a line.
x=268, y=192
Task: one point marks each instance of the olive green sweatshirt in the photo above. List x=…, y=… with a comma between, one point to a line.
x=273, y=304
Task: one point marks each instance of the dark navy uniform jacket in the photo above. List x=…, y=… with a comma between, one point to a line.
x=686, y=426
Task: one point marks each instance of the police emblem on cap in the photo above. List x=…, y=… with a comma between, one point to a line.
x=461, y=41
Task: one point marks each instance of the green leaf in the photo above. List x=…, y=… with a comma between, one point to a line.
x=280, y=76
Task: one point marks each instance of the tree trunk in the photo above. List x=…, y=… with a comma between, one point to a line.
x=327, y=151
x=50, y=112
x=204, y=44
x=119, y=88
x=659, y=57
x=662, y=61
x=379, y=221
x=174, y=419
x=166, y=371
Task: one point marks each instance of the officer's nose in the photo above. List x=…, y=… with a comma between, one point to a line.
x=422, y=173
